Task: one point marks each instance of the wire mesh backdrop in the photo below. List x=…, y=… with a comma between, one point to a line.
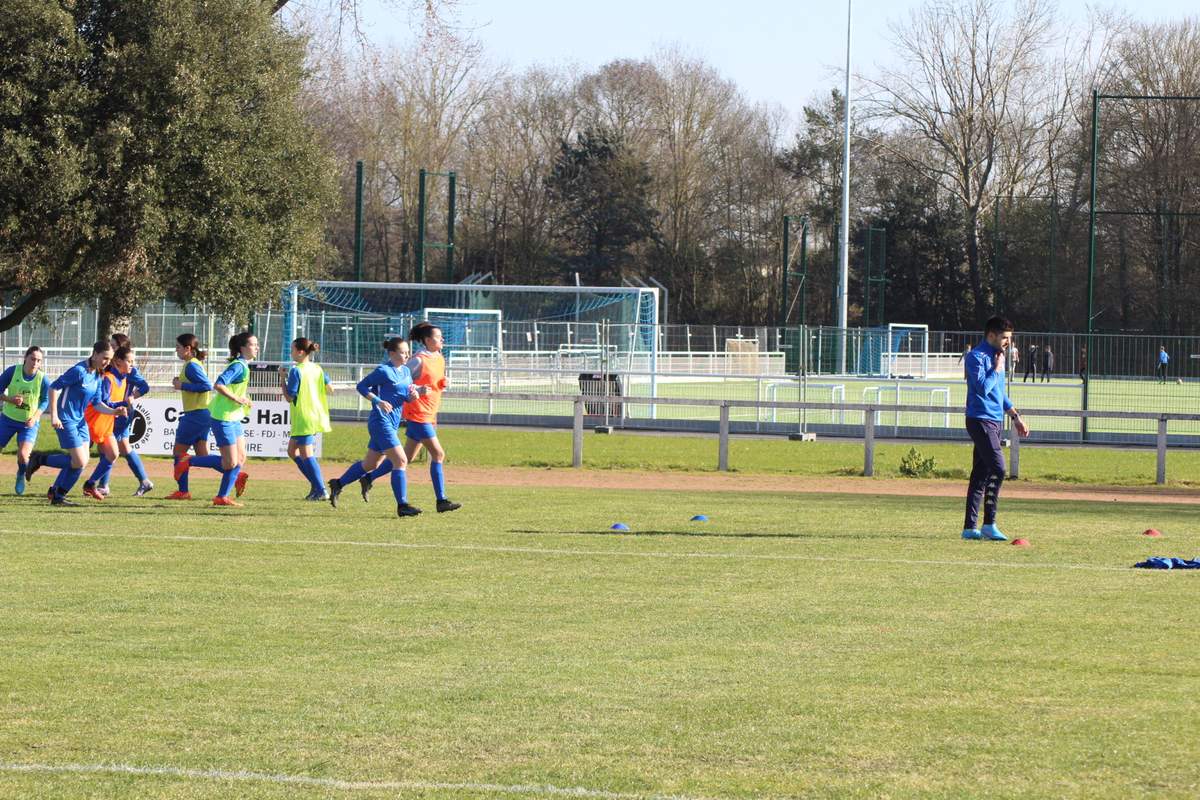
x=493, y=350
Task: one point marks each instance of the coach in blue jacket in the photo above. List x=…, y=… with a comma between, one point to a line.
x=987, y=403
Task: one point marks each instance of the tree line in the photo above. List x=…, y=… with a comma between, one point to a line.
x=204, y=152
x=971, y=151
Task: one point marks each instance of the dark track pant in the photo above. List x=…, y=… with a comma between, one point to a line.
x=1161, y=372
x=987, y=473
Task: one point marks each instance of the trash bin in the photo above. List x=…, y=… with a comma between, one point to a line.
x=599, y=384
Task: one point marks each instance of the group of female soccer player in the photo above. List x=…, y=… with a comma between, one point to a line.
x=91, y=404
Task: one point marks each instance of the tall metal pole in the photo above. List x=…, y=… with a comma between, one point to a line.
x=450, y=228
x=783, y=298
x=421, y=226
x=1091, y=281
x=844, y=279
x=358, y=220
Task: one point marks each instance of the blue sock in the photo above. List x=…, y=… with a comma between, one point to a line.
x=211, y=462
x=355, y=472
x=58, y=460
x=227, y=480
x=101, y=472
x=183, y=482
x=67, y=479
x=314, y=474
x=400, y=485
x=384, y=468
x=135, y=466
x=439, y=480
x=302, y=465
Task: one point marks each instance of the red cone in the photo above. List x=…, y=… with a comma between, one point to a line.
x=1020, y=543
x=1152, y=532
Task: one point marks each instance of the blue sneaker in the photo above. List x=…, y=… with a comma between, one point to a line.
x=993, y=534
x=971, y=533
x=20, y=481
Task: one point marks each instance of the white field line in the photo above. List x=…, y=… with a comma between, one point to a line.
x=329, y=783
x=555, y=551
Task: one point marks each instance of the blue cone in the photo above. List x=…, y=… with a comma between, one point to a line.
x=699, y=518
x=620, y=526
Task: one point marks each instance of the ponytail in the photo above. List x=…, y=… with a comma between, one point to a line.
x=237, y=342
x=305, y=345
x=422, y=331
x=190, y=341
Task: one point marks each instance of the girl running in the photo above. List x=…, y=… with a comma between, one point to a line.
x=231, y=404
x=70, y=396
x=194, y=423
x=25, y=394
x=367, y=481
x=122, y=384
x=428, y=369
x=387, y=387
x=306, y=387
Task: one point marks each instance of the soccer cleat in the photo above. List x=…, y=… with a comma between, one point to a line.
x=335, y=489
x=406, y=510
x=364, y=485
x=239, y=486
x=182, y=466
x=102, y=490
x=60, y=500
x=993, y=534
x=312, y=495
x=92, y=492
x=447, y=504
x=228, y=502
x=20, y=487
x=320, y=498
x=143, y=489
x=37, y=460
x=178, y=495
x=972, y=533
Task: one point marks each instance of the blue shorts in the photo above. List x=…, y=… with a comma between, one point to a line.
x=420, y=431
x=121, y=428
x=193, y=428
x=226, y=433
x=384, y=434
x=74, y=434
x=10, y=427
x=309, y=439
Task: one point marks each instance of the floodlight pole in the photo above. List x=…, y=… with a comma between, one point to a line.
x=1091, y=281
x=844, y=251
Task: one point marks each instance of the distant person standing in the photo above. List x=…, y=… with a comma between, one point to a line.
x=1047, y=363
x=1160, y=369
x=1012, y=357
x=1083, y=364
x=1031, y=364
x=987, y=404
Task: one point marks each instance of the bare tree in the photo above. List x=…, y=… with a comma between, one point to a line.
x=973, y=86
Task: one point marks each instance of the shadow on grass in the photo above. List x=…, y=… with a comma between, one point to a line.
x=698, y=534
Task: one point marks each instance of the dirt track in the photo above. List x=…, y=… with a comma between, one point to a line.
x=714, y=482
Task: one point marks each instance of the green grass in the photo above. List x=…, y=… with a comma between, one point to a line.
x=1062, y=393
x=502, y=447
x=795, y=645
x=498, y=447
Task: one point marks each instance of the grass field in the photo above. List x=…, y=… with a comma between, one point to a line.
x=498, y=447
x=793, y=646
x=1062, y=393
x=502, y=447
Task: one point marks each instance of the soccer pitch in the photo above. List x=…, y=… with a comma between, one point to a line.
x=794, y=645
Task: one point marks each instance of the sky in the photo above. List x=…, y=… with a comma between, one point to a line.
x=777, y=52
